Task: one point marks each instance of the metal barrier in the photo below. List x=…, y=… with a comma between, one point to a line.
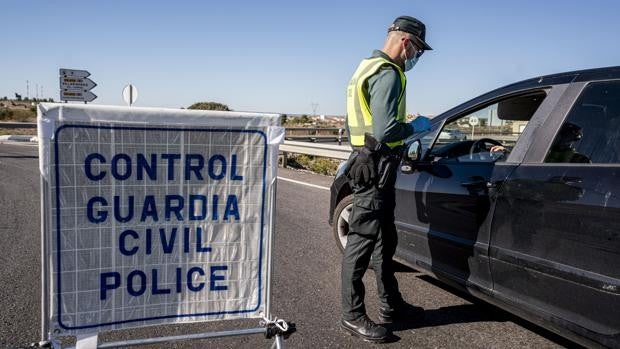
x=317, y=134
x=326, y=150
x=18, y=125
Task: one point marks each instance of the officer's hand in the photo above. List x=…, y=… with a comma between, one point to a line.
x=363, y=170
x=421, y=124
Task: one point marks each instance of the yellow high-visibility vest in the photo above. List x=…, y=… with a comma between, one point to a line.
x=359, y=116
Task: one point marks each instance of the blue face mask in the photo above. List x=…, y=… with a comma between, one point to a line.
x=410, y=62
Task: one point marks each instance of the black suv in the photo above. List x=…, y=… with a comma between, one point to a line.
x=524, y=210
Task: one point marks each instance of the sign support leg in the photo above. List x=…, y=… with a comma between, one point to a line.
x=44, y=262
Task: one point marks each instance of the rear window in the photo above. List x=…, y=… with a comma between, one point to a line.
x=591, y=131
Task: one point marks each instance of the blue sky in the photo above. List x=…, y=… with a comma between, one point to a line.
x=282, y=56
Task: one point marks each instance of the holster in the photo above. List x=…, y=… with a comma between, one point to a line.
x=386, y=160
x=387, y=170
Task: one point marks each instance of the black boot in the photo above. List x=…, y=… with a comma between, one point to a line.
x=403, y=312
x=366, y=329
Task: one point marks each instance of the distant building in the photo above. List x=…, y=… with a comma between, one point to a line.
x=518, y=126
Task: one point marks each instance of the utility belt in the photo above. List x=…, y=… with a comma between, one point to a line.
x=373, y=164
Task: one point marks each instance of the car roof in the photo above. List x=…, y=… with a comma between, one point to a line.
x=572, y=76
x=606, y=73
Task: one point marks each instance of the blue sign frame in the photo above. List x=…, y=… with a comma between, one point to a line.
x=58, y=225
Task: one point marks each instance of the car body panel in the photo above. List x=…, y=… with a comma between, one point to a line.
x=445, y=210
x=555, y=243
x=541, y=240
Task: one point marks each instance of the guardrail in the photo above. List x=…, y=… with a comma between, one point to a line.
x=318, y=139
x=18, y=125
x=326, y=150
x=317, y=134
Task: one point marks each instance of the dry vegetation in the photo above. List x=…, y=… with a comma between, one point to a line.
x=17, y=111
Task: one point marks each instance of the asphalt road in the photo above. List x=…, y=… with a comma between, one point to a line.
x=305, y=280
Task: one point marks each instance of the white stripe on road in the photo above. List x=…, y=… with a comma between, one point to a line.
x=303, y=183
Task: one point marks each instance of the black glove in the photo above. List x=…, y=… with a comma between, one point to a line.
x=363, y=170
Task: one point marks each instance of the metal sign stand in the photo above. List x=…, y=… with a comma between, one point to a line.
x=276, y=329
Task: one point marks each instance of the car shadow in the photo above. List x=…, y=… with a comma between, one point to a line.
x=476, y=311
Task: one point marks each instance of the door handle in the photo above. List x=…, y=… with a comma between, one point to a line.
x=475, y=183
x=568, y=180
x=478, y=183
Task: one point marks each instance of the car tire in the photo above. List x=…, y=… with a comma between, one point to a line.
x=341, y=221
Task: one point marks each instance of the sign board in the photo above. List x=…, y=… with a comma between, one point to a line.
x=75, y=85
x=473, y=120
x=130, y=94
x=76, y=95
x=74, y=73
x=154, y=216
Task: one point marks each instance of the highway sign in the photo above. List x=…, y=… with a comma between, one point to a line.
x=76, y=95
x=76, y=83
x=130, y=94
x=74, y=73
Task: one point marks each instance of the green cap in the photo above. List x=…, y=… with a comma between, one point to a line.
x=412, y=26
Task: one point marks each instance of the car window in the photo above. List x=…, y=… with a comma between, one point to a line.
x=487, y=134
x=591, y=131
x=426, y=137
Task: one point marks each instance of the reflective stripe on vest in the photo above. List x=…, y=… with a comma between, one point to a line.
x=359, y=115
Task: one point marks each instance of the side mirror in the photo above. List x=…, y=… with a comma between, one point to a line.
x=413, y=154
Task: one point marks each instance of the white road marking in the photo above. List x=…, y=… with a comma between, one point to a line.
x=303, y=183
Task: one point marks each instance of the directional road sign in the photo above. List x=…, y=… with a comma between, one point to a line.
x=82, y=96
x=75, y=73
x=75, y=85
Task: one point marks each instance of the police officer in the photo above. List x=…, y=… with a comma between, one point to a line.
x=377, y=127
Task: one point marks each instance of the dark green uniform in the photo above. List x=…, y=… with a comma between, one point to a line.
x=372, y=232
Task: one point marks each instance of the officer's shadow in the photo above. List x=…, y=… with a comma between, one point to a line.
x=454, y=314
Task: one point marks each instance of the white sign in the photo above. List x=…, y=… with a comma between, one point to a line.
x=157, y=216
x=77, y=95
x=75, y=85
x=74, y=73
x=130, y=94
x=473, y=121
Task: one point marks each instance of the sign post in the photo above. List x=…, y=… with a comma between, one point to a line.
x=155, y=216
x=473, y=122
x=75, y=86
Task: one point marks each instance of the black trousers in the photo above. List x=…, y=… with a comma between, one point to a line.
x=372, y=239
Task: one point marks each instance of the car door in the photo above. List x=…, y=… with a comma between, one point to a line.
x=555, y=246
x=443, y=208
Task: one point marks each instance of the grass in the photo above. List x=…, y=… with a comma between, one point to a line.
x=18, y=115
x=18, y=131
x=315, y=164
